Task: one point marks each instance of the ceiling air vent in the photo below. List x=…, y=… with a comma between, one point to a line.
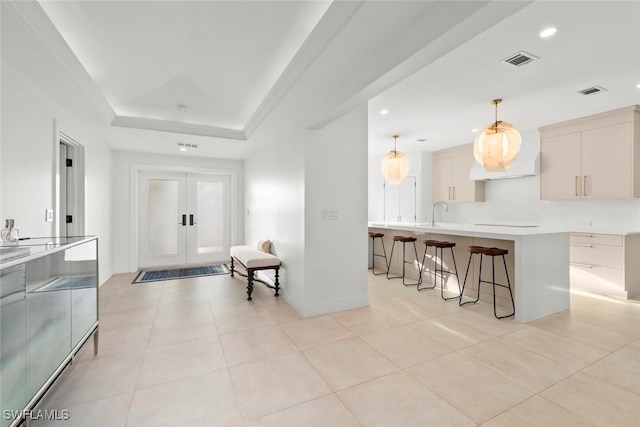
x=520, y=58
x=186, y=145
x=591, y=90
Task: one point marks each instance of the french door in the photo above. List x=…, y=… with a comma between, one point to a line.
x=184, y=218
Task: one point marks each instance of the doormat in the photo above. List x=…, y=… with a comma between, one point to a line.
x=180, y=273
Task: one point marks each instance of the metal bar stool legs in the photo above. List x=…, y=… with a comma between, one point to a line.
x=493, y=253
x=373, y=237
x=441, y=246
x=404, y=240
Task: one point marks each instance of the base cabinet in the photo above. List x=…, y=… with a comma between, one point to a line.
x=605, y=264
x=48, y=309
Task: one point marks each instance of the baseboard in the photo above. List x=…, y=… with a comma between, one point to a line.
x=317, y=308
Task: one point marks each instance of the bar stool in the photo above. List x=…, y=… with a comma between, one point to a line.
x=404, y=240
x=373, y=237
x=442, y=246
x=493, y=253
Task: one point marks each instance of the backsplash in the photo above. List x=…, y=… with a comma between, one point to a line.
x=517, y=201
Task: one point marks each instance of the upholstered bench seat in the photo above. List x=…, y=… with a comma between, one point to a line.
x=252, y=260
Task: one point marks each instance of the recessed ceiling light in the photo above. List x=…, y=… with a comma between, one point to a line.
x=548, y=32
x=638, y=85
x=182, y=149
x=474, y=130
x=383, y=112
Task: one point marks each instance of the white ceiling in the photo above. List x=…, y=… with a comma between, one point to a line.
x=218, y=58
x=224, y=59
x=597, y=43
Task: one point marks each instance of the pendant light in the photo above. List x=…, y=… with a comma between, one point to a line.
x=395, y=165
x=498, y=145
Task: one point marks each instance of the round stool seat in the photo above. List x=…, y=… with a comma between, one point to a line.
x=404, y=239
x=375, y=235
x=439, y=244
x=487, y=251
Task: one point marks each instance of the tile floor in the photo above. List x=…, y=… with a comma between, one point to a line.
x=195, y=352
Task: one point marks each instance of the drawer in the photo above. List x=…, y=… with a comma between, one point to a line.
x=600, y=255
x=601, y=280
x=596, y=239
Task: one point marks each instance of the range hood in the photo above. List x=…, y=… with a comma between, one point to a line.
x=526, y=164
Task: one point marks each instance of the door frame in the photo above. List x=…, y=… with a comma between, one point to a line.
x=77, y=199
x=134, y=200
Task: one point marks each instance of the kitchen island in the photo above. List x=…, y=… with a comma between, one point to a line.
x=538, y=260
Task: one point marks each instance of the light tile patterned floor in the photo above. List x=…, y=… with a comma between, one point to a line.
x=195, y=352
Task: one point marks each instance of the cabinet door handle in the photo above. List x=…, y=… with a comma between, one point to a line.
x=454, y=192
x=582, y=234
x=584, y=185
x=577, y=264
x=449, y=195
x=577, y=180
x=586, y=245
x=184, y=220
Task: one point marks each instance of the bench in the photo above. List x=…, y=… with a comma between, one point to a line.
x=251, y=259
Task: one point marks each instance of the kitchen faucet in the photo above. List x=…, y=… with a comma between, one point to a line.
x=433, y=210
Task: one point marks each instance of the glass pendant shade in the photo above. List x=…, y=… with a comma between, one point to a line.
x=395, y=167
x=497, y=146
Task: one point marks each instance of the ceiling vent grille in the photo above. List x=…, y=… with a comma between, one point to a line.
x=186, y=145
x=519, y=59
x=591, y=90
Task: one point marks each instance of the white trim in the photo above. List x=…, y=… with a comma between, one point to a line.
x=80, y=204
x=333, y=21
x=178, y=127
x=317, y=308
x=135, y=170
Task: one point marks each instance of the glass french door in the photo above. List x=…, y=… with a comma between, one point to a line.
x=184, y=218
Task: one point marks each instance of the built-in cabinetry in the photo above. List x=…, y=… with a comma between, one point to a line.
x=451, y=181
x=48, y=309
x=595, y=157
x=606, y=264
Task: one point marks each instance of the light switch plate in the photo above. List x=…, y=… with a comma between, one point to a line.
x=330, y=215
x=48, y=215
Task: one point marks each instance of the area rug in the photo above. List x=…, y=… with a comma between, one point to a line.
x=144, y=276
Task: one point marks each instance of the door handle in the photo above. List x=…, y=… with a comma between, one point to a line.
x=453, y=191
x=191, y=220
x=184, y=220
x=584, y=185
x=577, y=180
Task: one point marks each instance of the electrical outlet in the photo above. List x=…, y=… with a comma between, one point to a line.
x=48, y=215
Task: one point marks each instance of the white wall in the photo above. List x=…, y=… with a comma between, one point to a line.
x=123, y=219
x=420, y=167
x=517, y=200
x=289, y=183
x=29, y=149
x=336, y=215
x=274, y=188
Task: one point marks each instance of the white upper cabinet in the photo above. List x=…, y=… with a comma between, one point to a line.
x=596, y=157
x=451, y=181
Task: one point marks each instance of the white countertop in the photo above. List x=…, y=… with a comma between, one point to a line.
x=505, y=231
